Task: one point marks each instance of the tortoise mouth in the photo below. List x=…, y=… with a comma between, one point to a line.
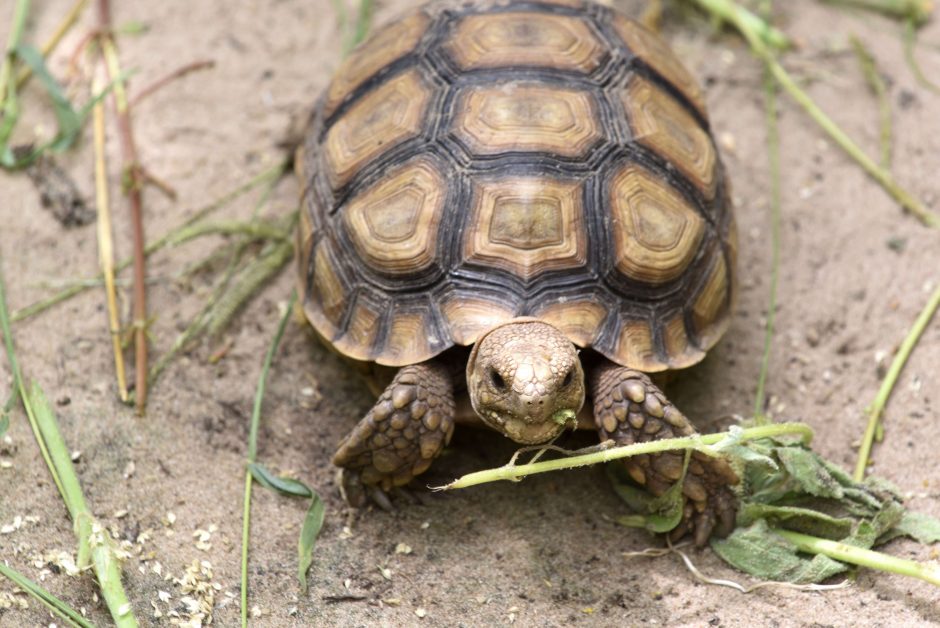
x=528, y=432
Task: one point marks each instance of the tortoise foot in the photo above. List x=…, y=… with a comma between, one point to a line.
x=629, y=408
x=400, y=436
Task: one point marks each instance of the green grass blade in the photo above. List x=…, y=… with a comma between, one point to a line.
x=69, y=120
x=282, y=485
x=887, y=386
x=313, y=522
x=54, y=604
x=253, y=450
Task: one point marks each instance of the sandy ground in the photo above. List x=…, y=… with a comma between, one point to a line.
x=545, y=552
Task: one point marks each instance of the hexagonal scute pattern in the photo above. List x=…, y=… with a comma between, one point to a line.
x=512, y=117
x=481, y=160
x=394, y=223
x=526, y=226
x=654, y=52
x=386, y=46
x=385, y=117
x=662, y=125
x=525, y=38
x=655, y=232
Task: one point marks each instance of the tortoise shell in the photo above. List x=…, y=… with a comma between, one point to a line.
x=479, y=161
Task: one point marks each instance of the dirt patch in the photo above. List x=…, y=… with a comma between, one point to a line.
x=544, y=552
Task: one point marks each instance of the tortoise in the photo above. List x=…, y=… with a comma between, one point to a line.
x=519, y=202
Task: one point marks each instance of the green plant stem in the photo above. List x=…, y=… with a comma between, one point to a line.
x=698, y=442
x=50, y=45
x=910, y=41
x=773, y=156
x=878, y=87
x=156, y=245
x=94, y=542
x=917, y=10
x=54, y=604
x=729, y=10
x=253, y=449
x=863, y=557
x=881, y=399
x=20, y=11
x=20, y=385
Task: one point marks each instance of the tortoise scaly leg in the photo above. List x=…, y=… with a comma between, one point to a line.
x=629, y=408
x=401, y=435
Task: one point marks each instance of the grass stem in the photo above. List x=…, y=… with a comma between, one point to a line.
x=50, y=44
x=773, y=157
x=253, y=450
x=105, y=246
x=94, y=542
x=77, y=288
x=54, y=604
x=877, y=406
x=730, y=11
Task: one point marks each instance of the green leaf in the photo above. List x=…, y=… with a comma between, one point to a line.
x=4, y=421
x=308, y=537
x=756, y=550
x=809, y=471
x=918, y=526
x=805, y=520
x=282, y=485
x=656, y=514
x=70, y=122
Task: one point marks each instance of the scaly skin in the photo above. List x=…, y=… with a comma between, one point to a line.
x=629, y=408
x=404, y=432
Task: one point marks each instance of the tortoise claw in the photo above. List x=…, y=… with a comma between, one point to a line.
x=629, y=409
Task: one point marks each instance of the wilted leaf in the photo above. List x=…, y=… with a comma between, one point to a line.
x=308, y=538
x=756, y=550
x=285, y=486
x=805, y=520
x=808, y=469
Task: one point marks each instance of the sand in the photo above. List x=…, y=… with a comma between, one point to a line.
x=545, y=552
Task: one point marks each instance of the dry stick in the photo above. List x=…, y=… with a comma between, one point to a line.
x=728, y=10
x=156, y=245
x=195, y=66
x=878, y=87
x=50, y=44
x=132, y=172
x=877, y=406
x=105, y=247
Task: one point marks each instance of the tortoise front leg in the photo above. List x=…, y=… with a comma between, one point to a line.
x=629, y=408
x=403, y=433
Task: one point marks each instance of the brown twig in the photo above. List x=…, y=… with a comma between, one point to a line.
x=178, y=73
x=133, y=179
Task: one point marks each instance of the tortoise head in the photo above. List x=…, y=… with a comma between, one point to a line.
x=525, y=380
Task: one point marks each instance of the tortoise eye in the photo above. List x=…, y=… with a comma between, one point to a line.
x=498, y=382
x=568, y=379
